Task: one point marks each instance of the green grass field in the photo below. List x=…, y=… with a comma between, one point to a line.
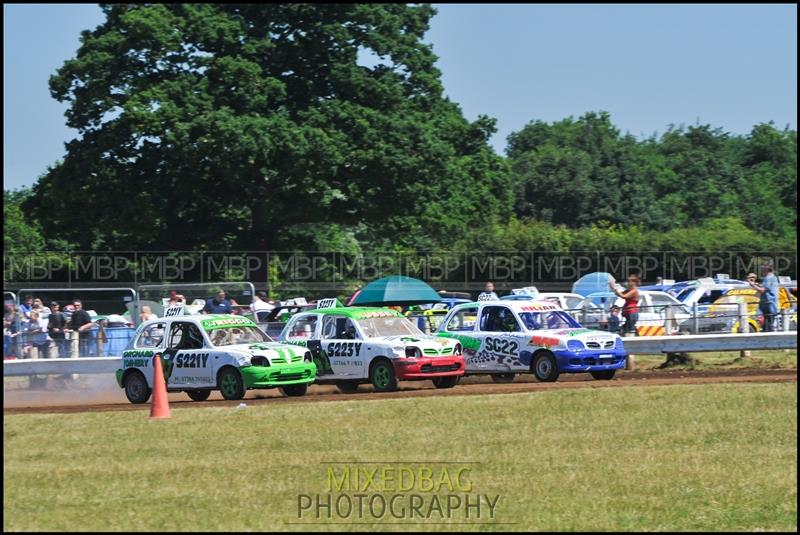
x=705, y=457
x=724, y=360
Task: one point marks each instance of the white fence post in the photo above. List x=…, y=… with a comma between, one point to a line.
x=744, y=326
x=695, y=320
x=74, y=345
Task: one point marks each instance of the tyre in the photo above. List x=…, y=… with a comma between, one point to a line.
x=198, y=395
x=446, y=382
x=230, y=384
x=604, y=375
x=382, y=376
x=295, y=390
x=545, y=367
x=136, y=389
x=347, y=387
x=503, y=377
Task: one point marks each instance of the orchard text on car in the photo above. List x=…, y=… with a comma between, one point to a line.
x=354, y=345
x=503, y=338
x=212, y=352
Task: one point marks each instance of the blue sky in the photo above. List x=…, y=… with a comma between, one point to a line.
x=650, y=66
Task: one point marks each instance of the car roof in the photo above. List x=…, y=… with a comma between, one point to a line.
x=528, y=305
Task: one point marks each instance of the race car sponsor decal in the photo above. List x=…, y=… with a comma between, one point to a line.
x=467, y=342
x=226, y=322
x=136, y=359
x=538, y=307
x=573, y=332
x=544, y=341
x=377, y=314
x=344, y=349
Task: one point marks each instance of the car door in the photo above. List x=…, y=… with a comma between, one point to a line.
x=500, y=333
x=344, y=347
x=304, y=330
x=188, y=360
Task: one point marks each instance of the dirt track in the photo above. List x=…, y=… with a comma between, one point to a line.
x=479, y=385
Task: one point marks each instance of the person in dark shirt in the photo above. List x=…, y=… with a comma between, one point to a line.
x=82, y=323
x=56, y=326
x=218, y=304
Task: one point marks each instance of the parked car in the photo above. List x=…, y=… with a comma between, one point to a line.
x=354, y=345
x=723, y=314
x=504, y=338
x=201, y=354
x=595, y=309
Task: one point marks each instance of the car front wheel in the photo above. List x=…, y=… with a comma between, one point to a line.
x=136, y=389
x=294, y=390
x=446, y=382
x=545, y=367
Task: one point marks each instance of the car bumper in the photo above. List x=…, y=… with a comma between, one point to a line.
x=590, y=361
x=428, y=367
x=274, y=376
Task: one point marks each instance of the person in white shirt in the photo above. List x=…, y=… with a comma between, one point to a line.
x=260, y=307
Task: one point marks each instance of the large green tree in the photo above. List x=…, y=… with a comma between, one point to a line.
x=224, y=125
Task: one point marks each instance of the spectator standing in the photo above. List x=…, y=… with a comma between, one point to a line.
x=218, y=304
x=614, y=319
x=175, y=299
x=44, y=312
x=146, y=314
x=11, y=326
x=36, y=333
x=260, y=307
x=630, y=310
x=26, y=306
x=56, y=326
x=82, y=323
x=768, y=295
x=488, y=293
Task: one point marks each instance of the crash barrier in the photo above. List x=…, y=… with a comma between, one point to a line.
x=654, y=345
x=156, y=295
x=87, y=365
x=644, y=345
x=663, y=320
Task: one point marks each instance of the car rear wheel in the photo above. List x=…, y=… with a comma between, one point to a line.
x=198, y=395
x=545, y=367
x=604, y=375
x=136, y=389
x=382, y=376
x=346, y=387
x=446, y=382
x=294, y=390
x=230, y=384
x=503, y=377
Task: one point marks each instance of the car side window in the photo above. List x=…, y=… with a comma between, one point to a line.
x=329, y=328
x=302, y=327
x=463, y=320
x=498, y=319
x=185, y=335
x=151, y=336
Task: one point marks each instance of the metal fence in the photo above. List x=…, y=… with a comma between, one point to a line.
x=666, y=320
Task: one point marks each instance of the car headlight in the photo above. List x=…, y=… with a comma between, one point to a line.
x=307, y=357
x=575, y=345
x=618, y=343
x=413, y=353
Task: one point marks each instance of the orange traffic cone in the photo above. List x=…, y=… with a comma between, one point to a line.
x=160, y=406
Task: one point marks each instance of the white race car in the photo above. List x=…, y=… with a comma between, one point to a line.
x=503, y=338
x=353, y=345
x=212, y=352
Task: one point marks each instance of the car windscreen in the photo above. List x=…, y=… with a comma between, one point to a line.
x=227, y=336
x=556, y=319
x=388, y=326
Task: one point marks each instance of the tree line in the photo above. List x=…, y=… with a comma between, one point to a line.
x=258, y=127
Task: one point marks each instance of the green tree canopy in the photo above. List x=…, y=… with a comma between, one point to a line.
x=223, y=125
